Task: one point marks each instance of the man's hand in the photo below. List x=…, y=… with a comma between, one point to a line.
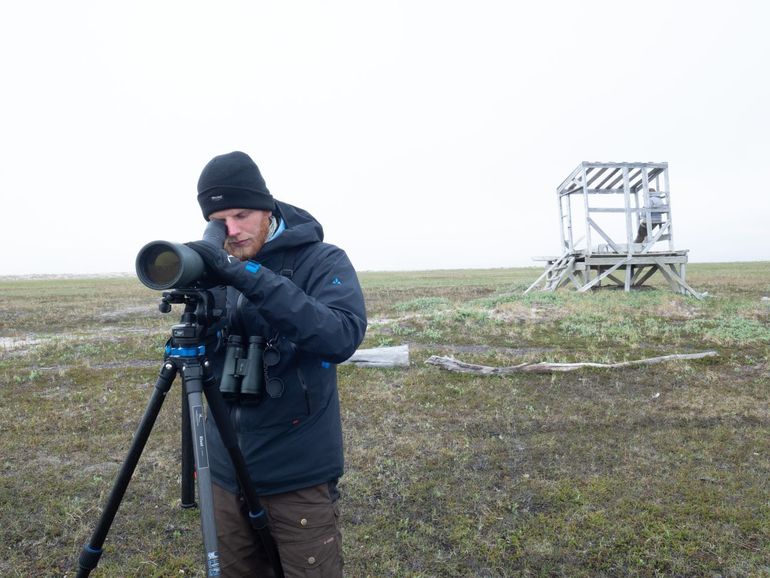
x=222, y=268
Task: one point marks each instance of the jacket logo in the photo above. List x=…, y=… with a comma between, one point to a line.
x=336, y=281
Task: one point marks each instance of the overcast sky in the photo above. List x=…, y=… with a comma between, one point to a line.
x=422, y=134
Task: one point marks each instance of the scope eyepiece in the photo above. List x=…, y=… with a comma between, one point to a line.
x=163, y=265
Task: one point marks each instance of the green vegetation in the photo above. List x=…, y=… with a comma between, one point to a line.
x=652, y=471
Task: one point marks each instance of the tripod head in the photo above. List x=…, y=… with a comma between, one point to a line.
x=201, y=314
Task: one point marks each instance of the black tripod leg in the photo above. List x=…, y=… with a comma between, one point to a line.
x=257, y=514
x=188, y=460
x=92, y=551
x=192, y=373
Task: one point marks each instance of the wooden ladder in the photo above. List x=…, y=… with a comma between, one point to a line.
x=554, y=275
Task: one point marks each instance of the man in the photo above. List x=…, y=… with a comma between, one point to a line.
x=656, y=217
x=302, y=296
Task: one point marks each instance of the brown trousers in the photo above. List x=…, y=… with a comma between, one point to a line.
x=304, y=525
x=641, y=234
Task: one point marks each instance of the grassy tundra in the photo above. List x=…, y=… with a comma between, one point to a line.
x=651, y=471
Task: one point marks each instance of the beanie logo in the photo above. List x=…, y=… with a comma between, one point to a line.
x=216, y=198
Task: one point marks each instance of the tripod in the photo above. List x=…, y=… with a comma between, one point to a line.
x=186, y=354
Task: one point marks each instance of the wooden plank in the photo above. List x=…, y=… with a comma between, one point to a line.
x=602, y=276
x=627, y=286
x=677, y=279
x=586, y=208
x=615, y=280
x=597, y=260
x=397, y=356
x=655, y=171
x=571, y=238
x=617, y=180
x=666, y=253
x=562, y=224
x=635, y=183
x=598, y=173
x=603, y=234
x=670, y=218
x=608, y=178
x=605, y=191
x=637, y=174
x=671, y=282
x=660, y=166
x=662, y=230
x=627, y=207
x=578, y=170
x=650, y=272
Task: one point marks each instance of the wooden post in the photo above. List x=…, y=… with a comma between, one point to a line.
x=670, y=220
x=587, y=217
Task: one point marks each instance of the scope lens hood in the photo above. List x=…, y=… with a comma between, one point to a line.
x=164, y=265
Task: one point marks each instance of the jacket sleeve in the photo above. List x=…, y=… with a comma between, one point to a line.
x=326, y=316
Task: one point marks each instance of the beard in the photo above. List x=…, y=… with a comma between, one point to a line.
x=247, y=250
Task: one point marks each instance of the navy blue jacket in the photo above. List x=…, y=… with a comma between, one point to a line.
x=317, y=319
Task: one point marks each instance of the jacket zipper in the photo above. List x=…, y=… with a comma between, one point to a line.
x=301, y=376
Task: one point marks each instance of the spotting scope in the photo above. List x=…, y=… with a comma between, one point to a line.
x=164, y=265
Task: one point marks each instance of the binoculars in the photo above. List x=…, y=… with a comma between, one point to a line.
x=243, y=373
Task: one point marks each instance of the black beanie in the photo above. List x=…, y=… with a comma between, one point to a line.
x=232, y=181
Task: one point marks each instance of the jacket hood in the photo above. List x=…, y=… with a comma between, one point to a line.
x=301, y=228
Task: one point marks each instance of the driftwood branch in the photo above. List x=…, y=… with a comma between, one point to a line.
x=451, y=364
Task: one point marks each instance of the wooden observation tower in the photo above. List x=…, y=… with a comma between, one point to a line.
x=616, y=228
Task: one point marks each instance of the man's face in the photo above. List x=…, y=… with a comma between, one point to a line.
x=246, y=230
